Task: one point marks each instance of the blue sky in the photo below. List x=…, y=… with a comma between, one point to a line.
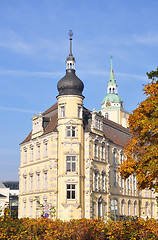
x=34, y=45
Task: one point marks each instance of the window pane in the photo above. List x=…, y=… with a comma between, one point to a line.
x=68, y=194
x=73, y=194
x=68, y=167
x=68, y=132
x=73, y=186
x=73, y=166
x=73, y=131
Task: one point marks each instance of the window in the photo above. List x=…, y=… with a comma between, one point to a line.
x=38, y=151
x=115, y=179
x=70, y=163
x=25, y=155
x=128, y=184
x=105, y=208
x=24, y=183
x=93, y=208
x=45, y=152
x=103, y=181
x=62, y=111
x=38, y=181
x=45, y=182
x=135, y=208
x=114, y=206
x=122, y=206
x=102, y=152
x=122, y=183
x=38, y=207
x=24, y=207
x=121, y=158
x=31, y=153
x=96, y=149
x=114, y=156
x=134, y=183
x=31, y=207
x=71, y=191
x=79, y=113
x=106, y=115
x=95, y=181
x=99, y=209
x=71, y=131
x=129, y=208
x=152, y=209
x=147, y=209
x=31, y=182
x=98, y=124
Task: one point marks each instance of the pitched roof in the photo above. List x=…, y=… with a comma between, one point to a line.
x=114, y=132
x=2, y=196
x=51, y=126
x=2, y=185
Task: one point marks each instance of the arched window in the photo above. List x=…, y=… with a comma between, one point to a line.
x=147, y=209
x=100, y=206
x=113, y=90
x=114, y=156
x=152, y=209
x=122, y=206
x=114, y=207
x=129, y=207
x=135, y=208
x=109, y=90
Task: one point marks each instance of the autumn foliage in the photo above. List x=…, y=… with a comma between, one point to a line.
x=83, y=229
x=142, y=149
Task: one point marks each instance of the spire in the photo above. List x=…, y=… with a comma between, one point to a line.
x=70, y=61
x=112, y=80
x=112, y=86
x=70, y=35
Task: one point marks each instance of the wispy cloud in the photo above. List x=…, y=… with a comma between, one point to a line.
x=12, y=41
x=28, y=73
x=18, y=110
x=40, y=47
x=124, y=75
x=144, y=39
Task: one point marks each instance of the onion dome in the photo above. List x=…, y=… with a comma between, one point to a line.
x=70, y=84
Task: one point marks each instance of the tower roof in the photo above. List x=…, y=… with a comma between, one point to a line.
x=114, y=98
x=70, y=84
x=112, y=80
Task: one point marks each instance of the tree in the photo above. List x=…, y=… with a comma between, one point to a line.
x=142, y=149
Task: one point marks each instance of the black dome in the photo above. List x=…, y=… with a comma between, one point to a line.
x=70, y=84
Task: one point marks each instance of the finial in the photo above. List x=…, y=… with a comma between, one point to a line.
x=111, y=62
x=70, y=35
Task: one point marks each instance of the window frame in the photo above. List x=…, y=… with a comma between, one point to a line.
x=71, y=191
x=62, y=110
x=72, y=130
x=71, y=162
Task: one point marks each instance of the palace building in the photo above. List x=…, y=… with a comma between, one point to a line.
x=70, y=158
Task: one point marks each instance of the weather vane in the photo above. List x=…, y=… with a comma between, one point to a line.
x=70, y=35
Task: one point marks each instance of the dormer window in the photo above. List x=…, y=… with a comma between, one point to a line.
x=107, y=115
x=37, y=123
